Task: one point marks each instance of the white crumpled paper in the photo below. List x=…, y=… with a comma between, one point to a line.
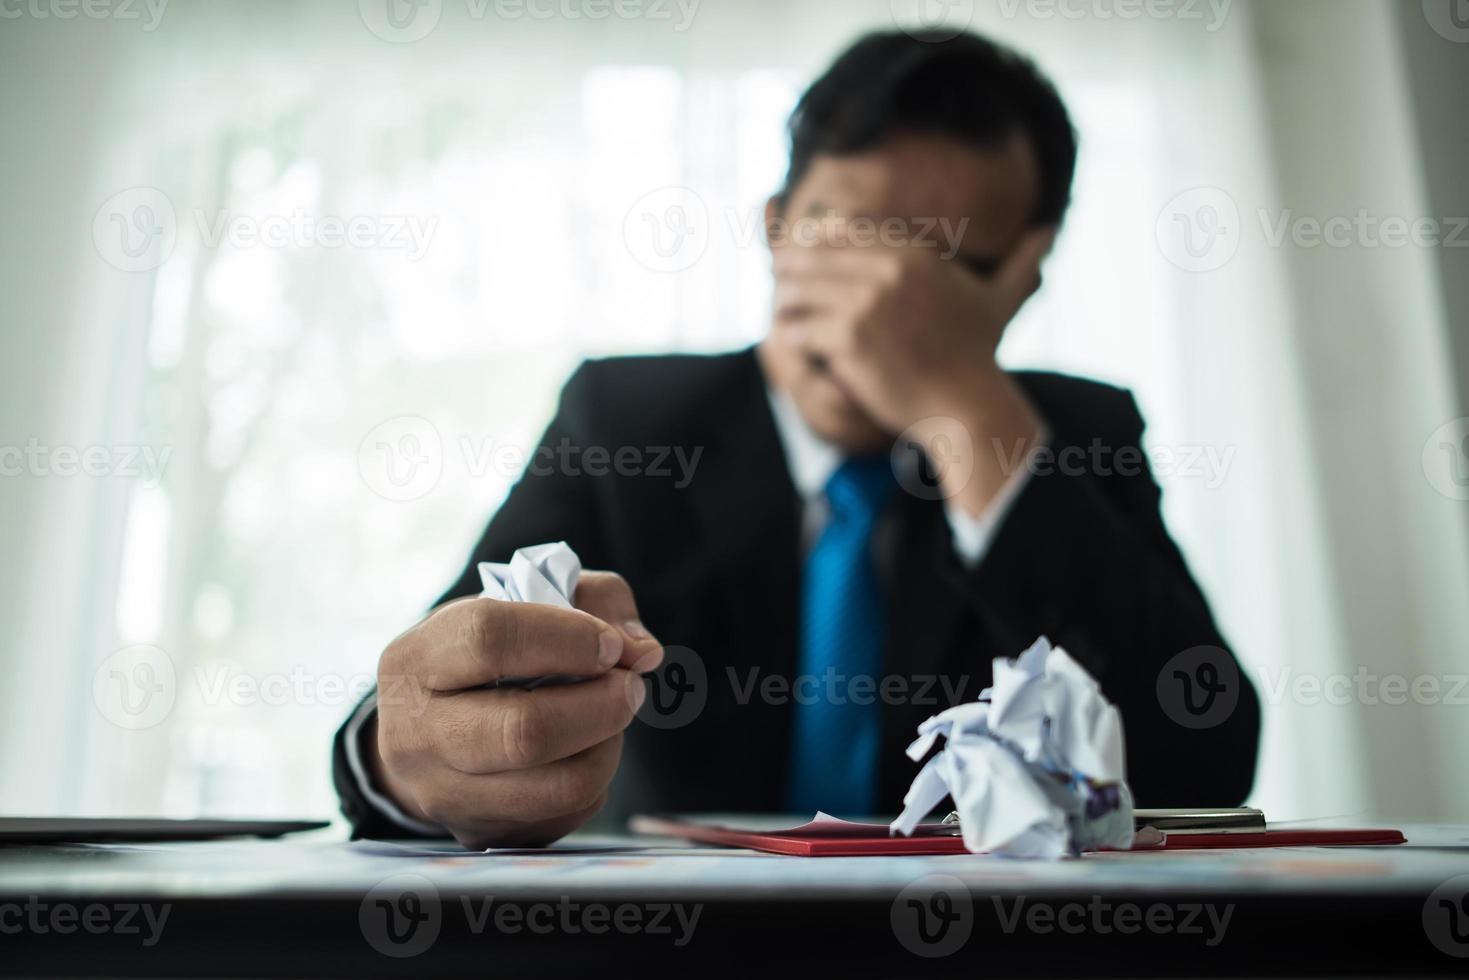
x=544, y=573
x=1035, y=766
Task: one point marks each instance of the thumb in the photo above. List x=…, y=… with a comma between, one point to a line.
x=607, y=596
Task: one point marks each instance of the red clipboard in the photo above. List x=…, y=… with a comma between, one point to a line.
x=840, y=838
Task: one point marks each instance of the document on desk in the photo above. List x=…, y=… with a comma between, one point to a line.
x=450, y=848
x=828, y=837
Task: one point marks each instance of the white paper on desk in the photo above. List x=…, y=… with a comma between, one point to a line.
x=544, y=573
x=1036, y=766
x=442, y=849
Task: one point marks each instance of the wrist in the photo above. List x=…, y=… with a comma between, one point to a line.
x=382, y=778
x=994, y=429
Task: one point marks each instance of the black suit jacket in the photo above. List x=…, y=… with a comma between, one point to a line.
x=715, y=564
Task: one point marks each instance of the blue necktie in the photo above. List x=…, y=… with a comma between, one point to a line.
x=834, y=748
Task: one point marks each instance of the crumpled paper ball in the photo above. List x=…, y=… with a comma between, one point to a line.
x=1036, y=766
x=544, y=573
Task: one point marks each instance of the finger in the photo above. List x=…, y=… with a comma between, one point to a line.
x=607, y=596
x=1019, y=274
x=562, y=787
x=828, y=333
x=798, y=298
x=479, y=834
x=479, y=641
x=831, y=262
x=482, y=732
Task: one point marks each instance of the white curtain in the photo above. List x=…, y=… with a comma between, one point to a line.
x=331, y=420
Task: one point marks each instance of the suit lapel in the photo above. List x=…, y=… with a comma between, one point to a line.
x=750, y=519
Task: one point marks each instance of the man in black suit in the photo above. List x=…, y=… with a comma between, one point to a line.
x=846, y=525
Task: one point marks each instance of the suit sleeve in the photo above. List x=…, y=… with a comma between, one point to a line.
x=551, y=502
x=1085, y=558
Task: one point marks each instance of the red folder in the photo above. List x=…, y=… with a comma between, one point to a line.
x=840, y=838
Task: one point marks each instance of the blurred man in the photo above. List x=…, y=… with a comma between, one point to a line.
x=865, y=510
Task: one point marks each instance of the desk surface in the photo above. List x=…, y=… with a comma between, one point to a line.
x=314, y=905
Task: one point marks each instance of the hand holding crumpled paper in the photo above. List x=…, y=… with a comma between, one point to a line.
x=1035, y=766
x=544, y=573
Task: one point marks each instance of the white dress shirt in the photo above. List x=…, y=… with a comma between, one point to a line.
x=811, y=462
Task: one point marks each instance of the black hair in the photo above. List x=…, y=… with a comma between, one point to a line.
x=963, y=86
